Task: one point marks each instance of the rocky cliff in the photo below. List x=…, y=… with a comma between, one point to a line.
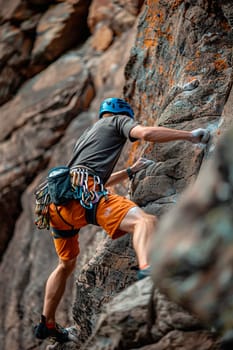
x=172, y=60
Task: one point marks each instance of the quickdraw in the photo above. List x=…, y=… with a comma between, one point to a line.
x=88, y=197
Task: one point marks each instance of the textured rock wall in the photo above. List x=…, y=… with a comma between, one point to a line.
x=178, y=74
x=39, y=126
x=195, y=269
x=45, y=105
x=142, y=318
x=33, y=34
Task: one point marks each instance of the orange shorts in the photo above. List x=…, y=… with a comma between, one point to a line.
x=109, y=215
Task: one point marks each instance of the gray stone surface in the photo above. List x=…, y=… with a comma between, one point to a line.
x=175, y=68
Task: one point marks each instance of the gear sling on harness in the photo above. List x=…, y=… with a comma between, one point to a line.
x=62, y=185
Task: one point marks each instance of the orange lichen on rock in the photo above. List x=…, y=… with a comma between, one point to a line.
x=161, y=69
x=134, y=153
x=171, y=81
x=150, y=42
x=154, y=11
x=169, y=37
x=225, y=26
x=144, y=99
x=158, y=18
x=176, y=3
x=220, y=64
x=190, y=66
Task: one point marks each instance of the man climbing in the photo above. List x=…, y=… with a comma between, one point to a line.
x=95, y=156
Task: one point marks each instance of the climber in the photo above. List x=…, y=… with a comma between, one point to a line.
x=94, y=157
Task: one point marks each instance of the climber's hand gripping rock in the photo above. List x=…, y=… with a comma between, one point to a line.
x=200, y=135
x=140, y=164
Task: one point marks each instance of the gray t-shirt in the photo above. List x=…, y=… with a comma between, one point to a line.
x=100, y=146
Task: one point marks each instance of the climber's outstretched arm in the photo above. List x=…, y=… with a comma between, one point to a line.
x=161, y=134
x=124, y=174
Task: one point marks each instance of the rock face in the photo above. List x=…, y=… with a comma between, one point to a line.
x=35, y=33
x=172, y=60
x=197, y=270
x=91, y=291
x=148, y=322
x=36, y=119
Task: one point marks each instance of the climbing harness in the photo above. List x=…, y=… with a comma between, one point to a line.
x=64, y=184
x=64, y=233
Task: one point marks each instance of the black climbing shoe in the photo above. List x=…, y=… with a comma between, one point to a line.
x=58, y=333
x=144, y=273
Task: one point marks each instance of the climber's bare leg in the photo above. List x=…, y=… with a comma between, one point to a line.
x=142, y=226
x=55, y=288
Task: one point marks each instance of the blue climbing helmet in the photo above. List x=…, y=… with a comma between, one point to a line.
x=116, y=106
